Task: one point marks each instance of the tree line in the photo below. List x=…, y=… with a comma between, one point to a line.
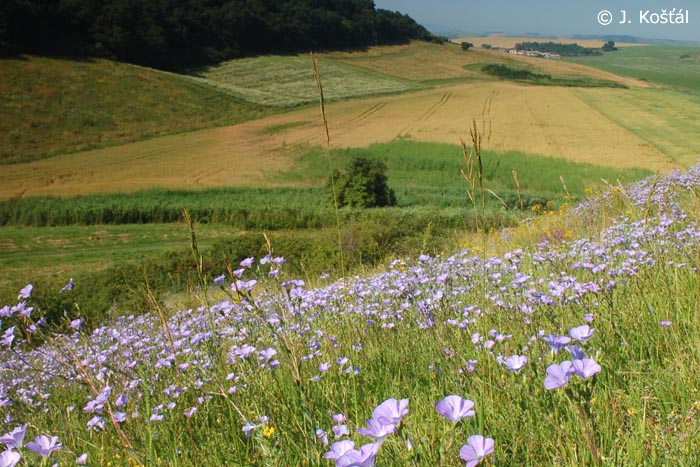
x=565, y=50
x=174, y=34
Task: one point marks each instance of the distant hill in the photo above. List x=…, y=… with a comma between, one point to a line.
x=177, y=34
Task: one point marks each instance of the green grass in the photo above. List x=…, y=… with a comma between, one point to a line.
x=657, y=64
x=284, y=81
x=66, y=249
x=50, y=106
x=432, y=170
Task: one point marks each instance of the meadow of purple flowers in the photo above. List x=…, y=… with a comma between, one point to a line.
x=571, y=352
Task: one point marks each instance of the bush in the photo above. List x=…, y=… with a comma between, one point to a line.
x=467, y=45
x=363, y=185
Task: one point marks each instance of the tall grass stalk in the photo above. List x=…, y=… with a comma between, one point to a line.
x=198, y=258
x=319, y=85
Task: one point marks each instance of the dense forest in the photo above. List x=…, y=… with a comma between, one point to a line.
x=174, y=34
x=565, y=50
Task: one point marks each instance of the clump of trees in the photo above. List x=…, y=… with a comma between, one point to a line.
x=565, y=50
x=177, y=34
x=609, y=46
x=362, y=185
x=506, y=72
x=467, y=45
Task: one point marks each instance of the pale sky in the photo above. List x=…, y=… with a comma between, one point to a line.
x=562, y=17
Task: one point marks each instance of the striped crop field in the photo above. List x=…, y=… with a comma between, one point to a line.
x=549, y=121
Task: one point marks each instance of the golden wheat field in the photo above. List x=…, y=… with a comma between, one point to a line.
x=550, y=121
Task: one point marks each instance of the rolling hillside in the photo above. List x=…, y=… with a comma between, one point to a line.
x=50, y=106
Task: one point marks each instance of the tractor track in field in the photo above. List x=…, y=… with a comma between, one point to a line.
x=406, y=131
x=361, y=117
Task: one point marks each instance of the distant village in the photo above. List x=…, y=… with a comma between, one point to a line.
x=527, y=53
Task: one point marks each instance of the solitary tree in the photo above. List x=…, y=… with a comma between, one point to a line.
x=362, y=185
x=467, y=45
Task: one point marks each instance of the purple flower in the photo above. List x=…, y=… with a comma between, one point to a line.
x=324, y=437
x=268, y=353
x=44, y=446
x=189, y=412
x=340, y=430
x=515, y=362
x=121, y=401
x=76, y=324
x=248, y=428
x=96, y=423
x=362, y=458
x=67, y=287
x=9, y=458
x=391, y=411
x=339, y=448
x=82, y=459
x=248, y=262
x=556, y=342
x=588, y=318
x=581, y=333
x=8, y=336
x=454, y=408
x=220, y=279
x=575, y=351
x=323, y=367
x=476, y=450
x=665, y=324
x=15, y=438
x=585, y=368
x=339, y=418
x=25, y=292
x=377, y=430
x=557, y=375
x=119, y=417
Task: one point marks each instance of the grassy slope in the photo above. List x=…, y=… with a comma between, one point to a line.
x=50, y=106
x=66, y=250
x=409, y=333
x=425, y=176
x=665, y=116
x=662, y=65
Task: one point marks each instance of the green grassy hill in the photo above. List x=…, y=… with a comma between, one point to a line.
x=677, y=67
x=50, y=106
